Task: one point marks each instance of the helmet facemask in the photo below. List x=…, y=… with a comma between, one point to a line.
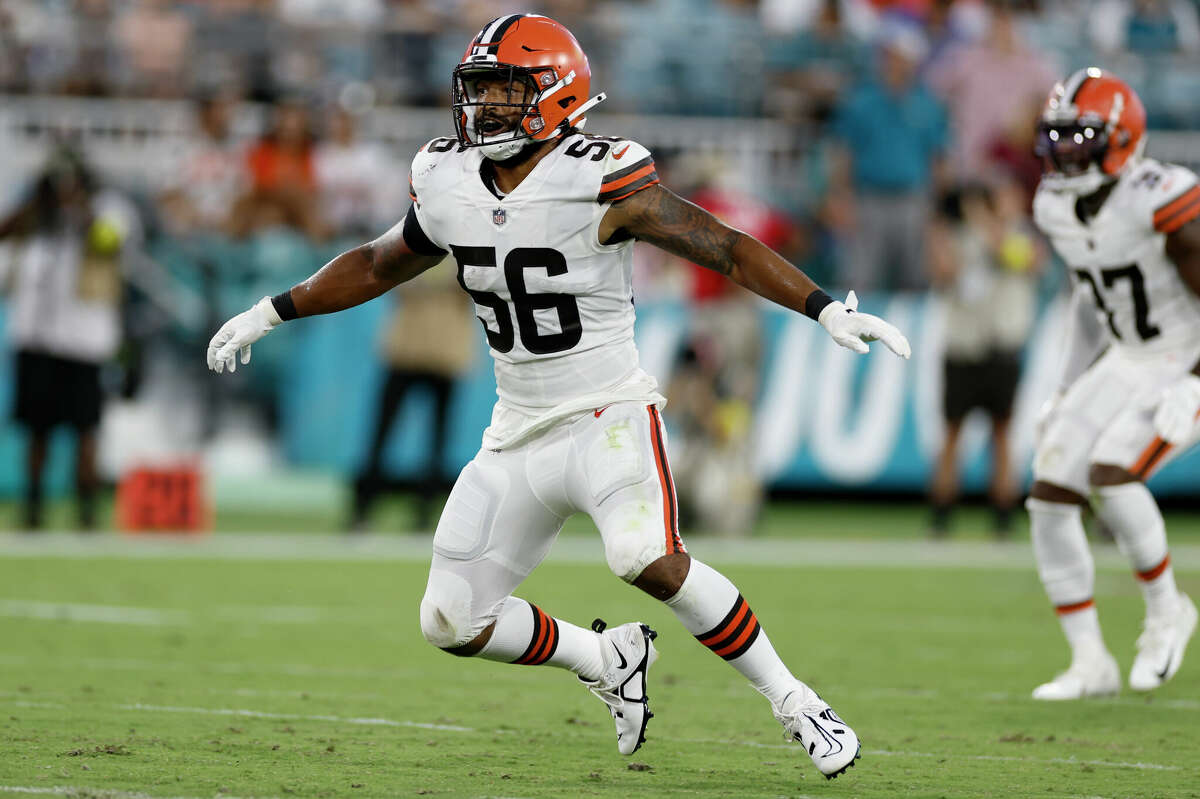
x=504, y=123
x=1072, y=153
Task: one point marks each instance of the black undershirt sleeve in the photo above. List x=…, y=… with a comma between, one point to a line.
x=415, y=237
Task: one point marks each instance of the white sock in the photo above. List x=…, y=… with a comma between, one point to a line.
x=1067, y=571
x=1131, y=513
x=527, y=635
x=712, y=609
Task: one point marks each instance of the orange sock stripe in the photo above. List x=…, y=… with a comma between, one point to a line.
x=719, y=636
x=1063, y=610
x=544, y=640
x=736, y=633
x=1156, y=572
x=751, y=630
x=670, y=509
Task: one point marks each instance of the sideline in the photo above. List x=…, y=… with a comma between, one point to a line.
x=842, y=552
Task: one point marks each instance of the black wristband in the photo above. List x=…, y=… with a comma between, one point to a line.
x=816, y=303
x=284, y=306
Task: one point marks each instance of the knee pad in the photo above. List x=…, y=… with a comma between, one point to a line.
x=446, y=617
x=634, y=538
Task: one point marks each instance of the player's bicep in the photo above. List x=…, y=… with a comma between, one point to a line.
x=1183, y=248
x=404, y=251
x=660, y=217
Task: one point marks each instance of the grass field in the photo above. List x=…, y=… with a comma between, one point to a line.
x=288, y=666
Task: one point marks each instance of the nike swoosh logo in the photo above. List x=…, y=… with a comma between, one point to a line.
x=1162, y=675
x=533, y=49
x=620, y=657
x=618, y=153
x=599, y=411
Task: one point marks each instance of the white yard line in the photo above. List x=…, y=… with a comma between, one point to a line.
x=160, y=617
x=103, y=614
x=1016, y=555
x=259, y=714
x=101, y=793
x=385, y=722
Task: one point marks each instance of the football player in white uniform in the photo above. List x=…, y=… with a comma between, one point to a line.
x=541, y=220
x=1128, y=228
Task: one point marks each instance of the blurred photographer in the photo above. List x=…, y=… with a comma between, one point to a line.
x=65, y=287
x=985, y=263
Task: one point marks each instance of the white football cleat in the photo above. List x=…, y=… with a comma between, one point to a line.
x=1088, y=676
x=628, y=657
x=1161, y=646
x=829, y=741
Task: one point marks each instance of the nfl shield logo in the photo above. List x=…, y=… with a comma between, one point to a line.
x=499, y=217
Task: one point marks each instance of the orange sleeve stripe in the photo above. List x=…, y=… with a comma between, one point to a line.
x=1166, y=213
x=634, y=190
x=1180, y=218
x=625, y=181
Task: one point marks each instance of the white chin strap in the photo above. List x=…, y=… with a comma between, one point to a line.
x=1080, y=185
x=503, y=150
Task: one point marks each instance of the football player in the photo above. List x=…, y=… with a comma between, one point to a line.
x=1128, y=228
x=541, y=220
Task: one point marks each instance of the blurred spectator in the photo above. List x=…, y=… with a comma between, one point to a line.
x=211, y=173
x=13, y=77
x=283, y=184
x=429, y=342
x=985, y=261
x=721, y=368
x=64, y=322
x=812, y=68
x=155, y=38
x=718, y=488
x=352, y=176
x=1145, y=27
x=892, y=132
x=985, y=85
x=232, y=43
x=787, y=17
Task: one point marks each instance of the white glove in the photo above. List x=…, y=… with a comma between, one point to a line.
x=239, y=333
x=1045, y=414
x=1175, y=419
x=853, y=330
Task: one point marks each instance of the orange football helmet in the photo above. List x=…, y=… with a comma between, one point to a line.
x=1093, y=126
x=547, y=77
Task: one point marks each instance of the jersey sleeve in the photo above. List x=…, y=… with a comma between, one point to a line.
x=628, y=168
x=1177, y=202
x=420, y=233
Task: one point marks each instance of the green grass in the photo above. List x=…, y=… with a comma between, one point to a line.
x=256, y=678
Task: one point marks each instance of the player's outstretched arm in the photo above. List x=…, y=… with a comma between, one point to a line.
x=350, y=279
x=666, y=220
x=1176, y=416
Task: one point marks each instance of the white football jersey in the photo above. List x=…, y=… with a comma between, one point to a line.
x=1120, y=254
x=556, y=305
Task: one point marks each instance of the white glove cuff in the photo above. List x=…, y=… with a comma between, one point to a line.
x=266, y=309
x=830, y=310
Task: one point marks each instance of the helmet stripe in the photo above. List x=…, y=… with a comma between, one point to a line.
x=490, y=36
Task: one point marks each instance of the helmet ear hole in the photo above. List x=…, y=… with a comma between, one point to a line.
x=566, y=101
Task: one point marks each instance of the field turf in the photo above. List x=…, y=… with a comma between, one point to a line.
x=293, y=666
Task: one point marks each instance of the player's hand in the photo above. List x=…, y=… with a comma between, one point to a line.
x=1175, y=418
x=1045, y=414
x=853, y=330
x=239, y=333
